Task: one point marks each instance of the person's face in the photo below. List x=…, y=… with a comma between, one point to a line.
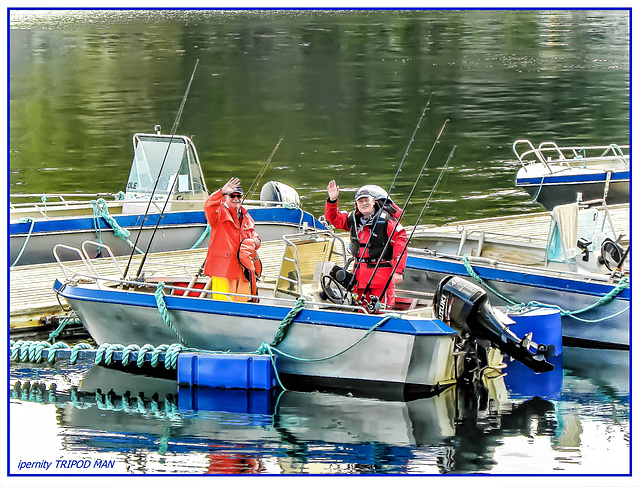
x=234, y=200
x=365, y=205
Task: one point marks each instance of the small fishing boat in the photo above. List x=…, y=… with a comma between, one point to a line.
x=165, y=189
x=555, y=175
x=581, y=267
x=315, y=340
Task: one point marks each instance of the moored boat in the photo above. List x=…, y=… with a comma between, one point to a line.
x=316, y=340
x=555, y=175
x=166, y=189
x=581, y=268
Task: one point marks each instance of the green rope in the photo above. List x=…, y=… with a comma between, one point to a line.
x=205, y=233
x=70, y=319
x=127, y=351
x=100, y=209
x=293, y=206
x=269, y=348
x=535, y=198
x=288, y=320
x=163, y=312
x=143, y=352
x=76, y=350
x=51, y=358
x=606, y=299
x=31, y=351
x=24, y=245
x=479, y=280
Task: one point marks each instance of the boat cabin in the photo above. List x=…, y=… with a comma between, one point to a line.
x=165, y=166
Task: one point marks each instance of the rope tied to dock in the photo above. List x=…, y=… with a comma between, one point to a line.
x=100, y=209
x=164, y=312
x=33, y=351
x=70, y=319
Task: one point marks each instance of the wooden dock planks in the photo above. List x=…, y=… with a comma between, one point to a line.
x=31, y=287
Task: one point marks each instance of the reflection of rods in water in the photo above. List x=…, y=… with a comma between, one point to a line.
x=39, y=393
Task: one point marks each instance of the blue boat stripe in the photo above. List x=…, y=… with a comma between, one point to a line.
x=262, y=311
x=530, y=280
x=185, y=218
x=574, y=179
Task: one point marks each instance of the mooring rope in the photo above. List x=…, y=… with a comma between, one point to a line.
x=288, y=320
x=603, y=300
x=205, y=234
x=70, y=319
x=32, y=351
x=24, y=244
x=163, y=312
x=100, y=209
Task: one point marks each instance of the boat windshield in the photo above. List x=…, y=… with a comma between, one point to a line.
x=179, y=159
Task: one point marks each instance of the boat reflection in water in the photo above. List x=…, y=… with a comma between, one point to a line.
x=152, y=426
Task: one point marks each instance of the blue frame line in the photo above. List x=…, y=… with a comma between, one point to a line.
x=359, y=321
x=514, y=277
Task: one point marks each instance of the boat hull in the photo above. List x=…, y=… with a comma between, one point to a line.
x=176, y=231
x=606, y=325
x=411, y=354
x=553, y=190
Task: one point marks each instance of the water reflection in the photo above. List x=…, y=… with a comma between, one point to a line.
x=149, y=425
x=343, y=88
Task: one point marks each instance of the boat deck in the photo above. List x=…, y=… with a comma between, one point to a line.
x=31, y=286
x=531, y=227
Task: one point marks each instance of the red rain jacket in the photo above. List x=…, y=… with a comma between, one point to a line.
x=339, y=219
x=227, y=232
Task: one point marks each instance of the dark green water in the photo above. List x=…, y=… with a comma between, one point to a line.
x=344, y=89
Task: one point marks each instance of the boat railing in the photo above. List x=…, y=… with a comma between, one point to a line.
x=496, y=264
x=69, y=273
x=550, y=152
x=302, y=256
x=465, y=233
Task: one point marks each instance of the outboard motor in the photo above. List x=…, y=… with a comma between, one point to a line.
x=280, y=193
x=465, y=307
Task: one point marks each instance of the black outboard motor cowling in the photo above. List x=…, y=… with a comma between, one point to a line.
x=465, y=307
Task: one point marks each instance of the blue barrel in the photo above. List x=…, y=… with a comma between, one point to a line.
x=523, y=382
x=544, y=323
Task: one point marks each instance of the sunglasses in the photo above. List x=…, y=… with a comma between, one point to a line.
x=235, y=196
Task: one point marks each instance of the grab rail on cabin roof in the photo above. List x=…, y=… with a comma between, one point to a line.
x=565, y=155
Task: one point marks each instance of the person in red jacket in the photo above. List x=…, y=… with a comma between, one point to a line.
x=370, y=247
x=232, y=258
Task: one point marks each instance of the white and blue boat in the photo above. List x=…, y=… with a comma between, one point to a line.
x=171, y=200
x=410, y=351
x=581, y=268
x=555, y=175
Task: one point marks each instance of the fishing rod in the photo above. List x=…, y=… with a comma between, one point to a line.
x=261, y=173
x=374, y=303
x=387, y=243
x=173, y=131
x=351, y=281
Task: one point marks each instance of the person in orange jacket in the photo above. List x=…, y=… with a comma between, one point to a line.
x=232, y=258
x=369, y=243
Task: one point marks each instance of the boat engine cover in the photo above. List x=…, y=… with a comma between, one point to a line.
x=465, y=307
x=279, y=192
